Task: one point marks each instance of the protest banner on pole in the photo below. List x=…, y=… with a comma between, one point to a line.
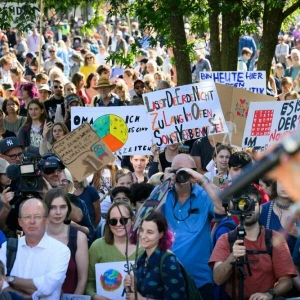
x=235, y=105
x=110, y=277
x=83, y=152
x=253, y=81
x=125, y=130
x=267, y=124
x=184, y=113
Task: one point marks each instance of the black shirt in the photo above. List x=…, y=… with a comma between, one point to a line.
x=51, y=105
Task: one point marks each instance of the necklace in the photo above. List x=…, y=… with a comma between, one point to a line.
x=281, y=206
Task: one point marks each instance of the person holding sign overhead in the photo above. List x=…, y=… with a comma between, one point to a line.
x=168, y=282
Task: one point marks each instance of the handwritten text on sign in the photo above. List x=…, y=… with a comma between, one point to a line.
x=254, y=81
x=184, y=113
x=125, y=130
x=269, y=122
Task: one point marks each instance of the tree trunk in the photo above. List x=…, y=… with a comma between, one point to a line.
x=215, y=49
x=272, y=20
x=231, y=20
x=182, y=59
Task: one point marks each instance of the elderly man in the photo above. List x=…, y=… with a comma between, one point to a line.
x=189, y=211
x=36, y=272
x=293, y=70
x=105, y=97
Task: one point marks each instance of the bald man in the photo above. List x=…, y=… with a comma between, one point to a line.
x=41, y=262
x=189, y=211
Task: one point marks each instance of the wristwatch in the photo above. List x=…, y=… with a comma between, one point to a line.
x=272, y=293
x=10, y=279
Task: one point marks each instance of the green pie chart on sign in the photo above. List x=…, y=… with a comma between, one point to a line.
x=113, y=130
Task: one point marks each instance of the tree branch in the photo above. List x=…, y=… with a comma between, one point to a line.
x=291, y=9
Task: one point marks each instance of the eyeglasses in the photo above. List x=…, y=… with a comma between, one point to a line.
x=114, y=222
x=125, y=199
x=58, y=87
x=139, y=87
x=65, y=181
x=35, y=217
x=14, y=156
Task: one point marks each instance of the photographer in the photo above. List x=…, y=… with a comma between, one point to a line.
x=189, y=211
x=271, y=271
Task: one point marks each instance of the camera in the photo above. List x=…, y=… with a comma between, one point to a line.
x=182, y=176
x=240, y=206
x=26, y=177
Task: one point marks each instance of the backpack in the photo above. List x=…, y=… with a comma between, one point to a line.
x=227, y=223
x=5, y=295
x=232, y=237
x=191, y=290
x=72, y=243
x=11, y=253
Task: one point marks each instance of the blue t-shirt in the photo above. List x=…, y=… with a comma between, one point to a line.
x=192, y=245
x=89, y=196
x=275, y=225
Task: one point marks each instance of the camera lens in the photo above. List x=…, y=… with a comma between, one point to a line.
x=244, y=204
x=31, y=183
x=182, y=176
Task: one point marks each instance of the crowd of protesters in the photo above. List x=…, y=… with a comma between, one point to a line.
x=68, y=227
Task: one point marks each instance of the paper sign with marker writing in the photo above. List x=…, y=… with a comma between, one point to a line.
x=75, y=297
x=110, y=277
x=125, y=130
x=268, y=123
x=184, y=113
x=253, y=81
x=83, y=152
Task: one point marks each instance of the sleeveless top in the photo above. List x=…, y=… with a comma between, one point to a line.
x=70, y=283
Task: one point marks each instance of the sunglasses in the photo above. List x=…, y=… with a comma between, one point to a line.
x=51, y=51
x=90, y=57
x=58, y=87
x=114, y=222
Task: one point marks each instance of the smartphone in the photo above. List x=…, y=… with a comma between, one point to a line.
x=49, y=120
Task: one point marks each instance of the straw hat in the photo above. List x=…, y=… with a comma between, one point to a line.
x=103, y=82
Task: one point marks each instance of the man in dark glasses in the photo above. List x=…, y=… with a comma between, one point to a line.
x=56, y=99
x=50, y=62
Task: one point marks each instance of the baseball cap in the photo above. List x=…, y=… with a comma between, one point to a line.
x=9, y=143
x=3, y=165
x=30, y=55
x=8, y=87
x=44, y=87
x=73, y=98
x=144, y=60
x=50, y=162
x=138, y=81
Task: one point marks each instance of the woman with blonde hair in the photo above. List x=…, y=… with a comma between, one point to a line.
x=122, y=92
x=89, y=66
x=130, y=76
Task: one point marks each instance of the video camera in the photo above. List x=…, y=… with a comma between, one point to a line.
x=181, y=176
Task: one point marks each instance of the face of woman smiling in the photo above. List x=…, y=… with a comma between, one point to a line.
x=118, y=230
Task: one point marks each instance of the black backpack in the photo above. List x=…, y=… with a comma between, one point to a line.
x=11, y=253
x=191, y=290
x=232, y=237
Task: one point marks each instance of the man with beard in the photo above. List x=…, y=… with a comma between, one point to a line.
x=271, y=275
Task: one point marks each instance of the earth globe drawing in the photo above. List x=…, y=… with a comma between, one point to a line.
x=111, y=280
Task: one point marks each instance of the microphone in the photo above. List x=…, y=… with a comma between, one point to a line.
x=289, y=145
x=13, y=172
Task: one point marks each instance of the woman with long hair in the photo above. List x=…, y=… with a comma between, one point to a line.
x=78, y=80
x=91, y=83
x=13, y=121
x=16, y=75
x=59, y=207
x=130, y=76
x=31, y=133
x=89, y=66
x=113, y=246
x=155, y=238
x=58, y=131
x=28, y=92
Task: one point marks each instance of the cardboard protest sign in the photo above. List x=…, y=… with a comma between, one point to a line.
x=125, y=130
x=83, y=152
x=267, y=124
x=75, y=297
x=110, y=277
x=254, y=81
x=220, y=181
x=235, y=104
x=184, y=113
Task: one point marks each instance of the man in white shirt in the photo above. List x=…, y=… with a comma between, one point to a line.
x=50, y=62
x=41, y=262
x=33, y=41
